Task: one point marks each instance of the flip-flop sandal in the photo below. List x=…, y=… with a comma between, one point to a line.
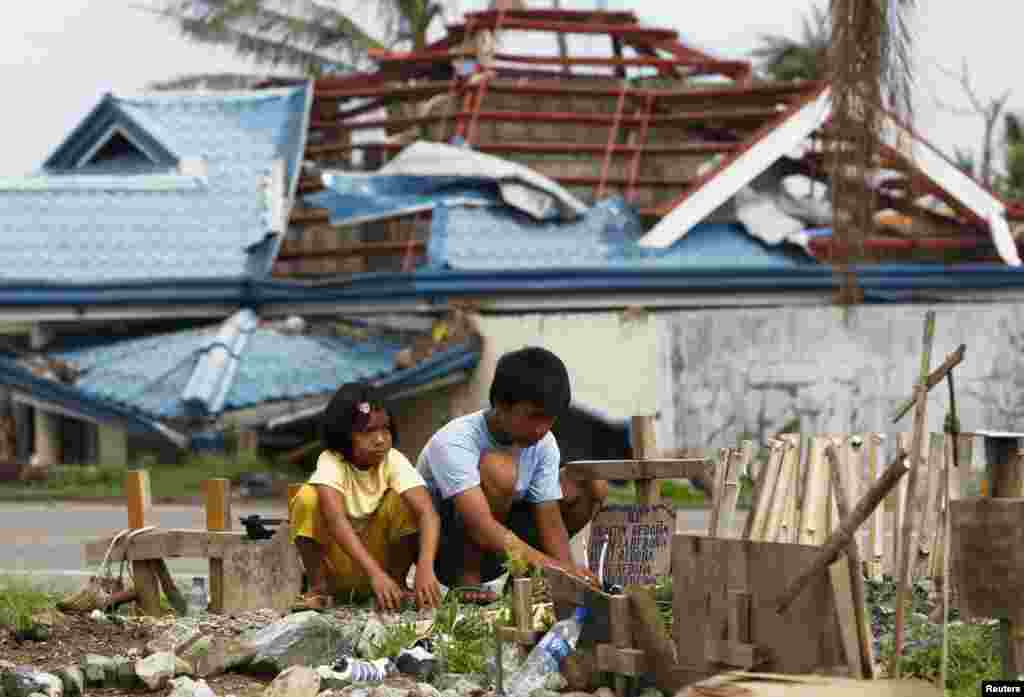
x=475, y=595
x=317, y=602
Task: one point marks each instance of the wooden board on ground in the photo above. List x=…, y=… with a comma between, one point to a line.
x=741, y=684
x=167, y=544
x=262, y=574
x=987, y=565
x=705, y=570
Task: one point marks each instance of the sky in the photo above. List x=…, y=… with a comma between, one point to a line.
x=58, y=58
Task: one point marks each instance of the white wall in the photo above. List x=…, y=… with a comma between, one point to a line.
x=611, y=358
x=746, y=373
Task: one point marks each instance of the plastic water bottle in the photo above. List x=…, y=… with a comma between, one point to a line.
x=197, y=598
x=358, y=670
x=547, y=655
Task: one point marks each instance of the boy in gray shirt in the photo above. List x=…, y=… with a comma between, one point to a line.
x=495, y=480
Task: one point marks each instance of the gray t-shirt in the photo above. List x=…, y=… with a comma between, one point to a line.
x=450, y=461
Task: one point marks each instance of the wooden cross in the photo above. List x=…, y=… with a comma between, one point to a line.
x=645, y=469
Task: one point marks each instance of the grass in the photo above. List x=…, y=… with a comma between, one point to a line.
x=177, y=480
x=20, y=599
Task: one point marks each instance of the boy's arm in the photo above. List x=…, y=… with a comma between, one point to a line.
x=554, y=537
x=488, y=533
x=429, y=524
x=389, y=595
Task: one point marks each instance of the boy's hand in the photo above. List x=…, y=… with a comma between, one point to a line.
x=428, y=590
x=389, y=595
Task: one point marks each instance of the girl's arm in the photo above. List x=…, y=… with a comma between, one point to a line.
x=428, y=592
x=389, y=595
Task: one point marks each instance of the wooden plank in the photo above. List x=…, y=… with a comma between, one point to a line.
x=814, y=511
x=631, y=470
x=846, y=614
x=724, y=652
x=739, y=615
x=522, y=603
x=706, y=569
x=218, y=518
x=145, y=573
x=718, y=493
x=168, y=544
x=932, y=379
x=651, y=638
x=863, y=662
x=764, y=490
x=787, y=525
x=622, y=662
x=876, y=532
x=645, y=447
x=908, y=548
x=828, y=552
x=932, y=501
x=738, y=461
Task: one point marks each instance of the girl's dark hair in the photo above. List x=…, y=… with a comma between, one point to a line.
x=342, y=416
x=534, y=375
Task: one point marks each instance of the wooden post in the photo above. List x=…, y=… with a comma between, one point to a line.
x=620, y=621
x=645, y=447
x=856, y=572
x=218, y=518
x=837, y=542
x=738, y=460
x=718, y=493
x=768, y=483
x=1005, y=464
x=147, y=579
x=789, y=520
x=522, y=602
x=815, y=511
x=876, y=532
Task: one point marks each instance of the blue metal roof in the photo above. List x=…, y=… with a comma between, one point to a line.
x=128, y=220
x=501, y=239
x=206, y=371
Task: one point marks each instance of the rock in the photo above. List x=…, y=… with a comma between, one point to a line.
x=541, y=692
x=576, y=694
x=52, y=685
x=98, y=616
x=305, y=638
x=182, y=667
x=124, y=674
x=458, y=682
x=372, y=632
x=331, y=679
x=652, y=692
x=176, y=638
x=425, y=689
x=297, y=681
x=156, y=670
x=384, y=690
x=96, y=669
x=22, y=681
x=556, y=682
x=186, y=687
x=604, y=692
x=73, y=680
x=449, y=693
x=360, y=690
x=220, y=655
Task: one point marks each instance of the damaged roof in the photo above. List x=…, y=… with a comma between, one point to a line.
x=186, y=378
x=159, y=186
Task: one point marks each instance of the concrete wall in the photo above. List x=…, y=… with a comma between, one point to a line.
x=750, y=373
x=611, y=358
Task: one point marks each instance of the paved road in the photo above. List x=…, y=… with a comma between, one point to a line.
x=46, y=539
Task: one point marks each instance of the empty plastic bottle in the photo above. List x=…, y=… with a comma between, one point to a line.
x=197, y=598
x=547, y=655
x=358, y=670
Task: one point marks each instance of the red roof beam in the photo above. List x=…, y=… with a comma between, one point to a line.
x=552, y=148
x=624, y=31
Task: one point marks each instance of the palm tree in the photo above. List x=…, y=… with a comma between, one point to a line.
x=784, y=58
x=1013, y=184
x=313, y=37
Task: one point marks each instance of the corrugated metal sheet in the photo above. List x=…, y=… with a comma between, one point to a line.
x=604, y=238
x=62, y=226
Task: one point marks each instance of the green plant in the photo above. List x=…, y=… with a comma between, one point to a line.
x=20, y=599
x=463, y=636
x=972, y=654
x=394, y=638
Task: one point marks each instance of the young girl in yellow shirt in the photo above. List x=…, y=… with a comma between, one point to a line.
x=365, y=515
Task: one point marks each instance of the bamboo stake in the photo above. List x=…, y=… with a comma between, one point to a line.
x=876, y=531
x=842, y=500
x=786, y=531
x=907, y=547
x=767, y=481
x=718, y=493
x=837, y=542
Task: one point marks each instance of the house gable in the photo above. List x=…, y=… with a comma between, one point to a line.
x=109, y=140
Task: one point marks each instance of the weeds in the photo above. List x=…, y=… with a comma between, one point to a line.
x=20, y=599
x=394, y=638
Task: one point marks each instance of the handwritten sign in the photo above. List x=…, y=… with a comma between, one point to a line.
x=638, y=543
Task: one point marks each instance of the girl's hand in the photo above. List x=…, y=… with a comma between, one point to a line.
x=389, y=595
x=428, y=590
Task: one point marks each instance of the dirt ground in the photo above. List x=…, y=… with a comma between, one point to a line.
x=72, y=637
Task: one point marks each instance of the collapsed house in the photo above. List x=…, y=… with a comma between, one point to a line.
x=653, y=210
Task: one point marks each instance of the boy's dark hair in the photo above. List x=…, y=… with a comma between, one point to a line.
x=534, y=375
x=341, y=416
